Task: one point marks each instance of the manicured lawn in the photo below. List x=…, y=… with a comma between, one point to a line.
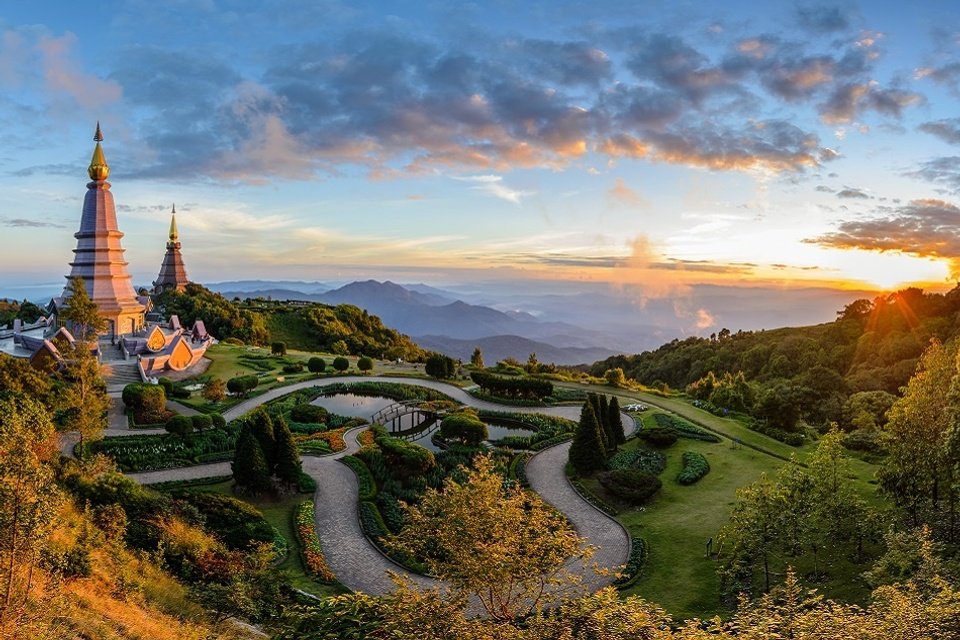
x=678, y=522
x=279, y=513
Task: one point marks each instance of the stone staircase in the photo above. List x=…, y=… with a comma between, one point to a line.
x=117, y=372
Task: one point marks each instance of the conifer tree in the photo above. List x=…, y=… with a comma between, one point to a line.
x=250, y=469
x=82, y=312
x=594, y=400
x=615, y=421
x=603, y=417
x=288, y=455
x=261, y=427
x=587, y=450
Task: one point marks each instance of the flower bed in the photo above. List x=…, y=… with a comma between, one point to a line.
x=332, y=439
x=310, y=549
x=640, y=458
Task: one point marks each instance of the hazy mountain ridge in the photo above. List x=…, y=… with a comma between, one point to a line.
x=496, y=348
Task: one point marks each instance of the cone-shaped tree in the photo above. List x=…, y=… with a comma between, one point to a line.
x=603, y=417
x=250, y=469
x=288, y=455
x=261, y=427
x=587, y=450
x=82, y=313
x=594, y=401
x=615, y=421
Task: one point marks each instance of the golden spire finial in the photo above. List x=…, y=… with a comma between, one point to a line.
x=173, y=224
x=98, y=169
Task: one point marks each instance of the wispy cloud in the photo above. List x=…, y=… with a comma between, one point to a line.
x=493, y=185
x=25, y=222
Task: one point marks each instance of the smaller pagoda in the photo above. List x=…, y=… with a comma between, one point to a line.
x=173, y=275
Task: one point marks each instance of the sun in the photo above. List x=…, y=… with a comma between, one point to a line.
x=890, y=271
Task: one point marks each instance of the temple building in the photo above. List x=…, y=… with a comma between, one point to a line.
x=98, y=258
x=144, y=350
x=173, y=274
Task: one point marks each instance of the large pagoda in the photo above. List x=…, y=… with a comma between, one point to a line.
x=98, y=258
x=173, y=274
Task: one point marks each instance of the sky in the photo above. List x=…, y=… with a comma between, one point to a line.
x=653, y=145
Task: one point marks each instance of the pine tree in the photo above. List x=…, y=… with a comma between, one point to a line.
x=587, y=451
x=598, y=413
x=288, y=455
x=82, y=312
x=261, y=427
x=603, y=417
x=615, y=421
x=250, y=468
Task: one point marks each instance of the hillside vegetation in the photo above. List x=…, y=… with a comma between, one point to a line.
x=846, y=371
x=341, y=329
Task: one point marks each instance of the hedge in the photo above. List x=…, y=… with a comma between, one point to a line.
x=594, y=499
x=304, y=523
x=695, y=466
x=518, y=387
x=549, y=442
x=368, y=488
x=306, y=483
x=683, y=428
x=659, y=436
x=635, y=563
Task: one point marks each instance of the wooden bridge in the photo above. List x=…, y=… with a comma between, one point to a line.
x=407, y=419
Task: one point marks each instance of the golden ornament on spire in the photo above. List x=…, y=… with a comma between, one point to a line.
x=98, y=169
x=173, y=224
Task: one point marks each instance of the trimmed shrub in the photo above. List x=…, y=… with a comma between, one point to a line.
x=365, y=364
x=407, y=459
x=631, y=485
x=296, y=367
x=219, y=422
x=463, y=427
x=341, y=364
x=309, y=414
x=512, y=387
x=634, y=567
x=179, y=425
x=306, y=483
x=316, y=365
x=147, y=402
x=661, y=437
x=695, y=466
x=201, y=422
x=368, y=488
x=278, y=348
x=242, y=385
x=441, y=366
x=640, y=458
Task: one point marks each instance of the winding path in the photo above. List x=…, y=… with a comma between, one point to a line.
x=357, y=563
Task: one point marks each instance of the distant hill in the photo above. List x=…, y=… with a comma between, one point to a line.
x=496, y=348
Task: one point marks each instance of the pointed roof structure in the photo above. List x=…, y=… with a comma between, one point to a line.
x=173, y=273
x=98, y=258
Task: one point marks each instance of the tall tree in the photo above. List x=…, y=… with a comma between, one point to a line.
x=82, y=313
x=288, y=455
x=29, y=500
x=914, y=473
x=587, y=449
x=261, y=427
x=754, y=530
x=502, y=546
x=476, y=359
x=250, y=469
x=83, y=394
x=616, y=421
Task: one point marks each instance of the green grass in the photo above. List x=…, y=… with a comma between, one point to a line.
x=678, y=522
x=279, y=513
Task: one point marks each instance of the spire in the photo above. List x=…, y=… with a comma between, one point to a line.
x=98, y=169
x=173, y=224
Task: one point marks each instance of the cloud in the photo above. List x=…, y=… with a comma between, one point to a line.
x=947, y=130
x=64, y=78
x=849, y=100
x=924, y=228
x=24, y=222
x=944, y=170
x=494, y=186
x=624, y=195
x=822, y=18
x=852, y=192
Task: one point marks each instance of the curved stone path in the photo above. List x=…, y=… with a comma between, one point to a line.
x=356, y=562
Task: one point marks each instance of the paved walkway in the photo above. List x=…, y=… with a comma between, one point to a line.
x=357, y=563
